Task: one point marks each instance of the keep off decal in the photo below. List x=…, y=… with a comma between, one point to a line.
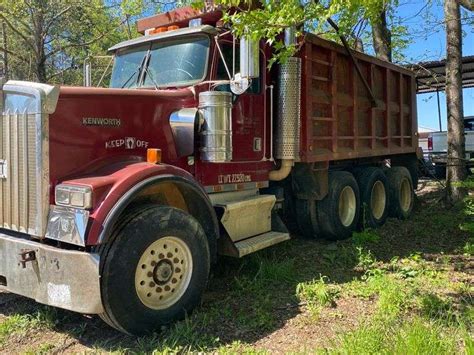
x=127, y=143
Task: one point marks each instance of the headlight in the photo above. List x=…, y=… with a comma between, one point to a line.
x=73, y=196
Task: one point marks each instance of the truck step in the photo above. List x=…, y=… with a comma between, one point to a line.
x=259, y=242
x=247, y=217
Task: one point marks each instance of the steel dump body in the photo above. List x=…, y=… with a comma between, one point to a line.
x=339, y=120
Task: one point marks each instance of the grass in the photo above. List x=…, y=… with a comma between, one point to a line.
x=416, y=336
x=317, y=294
x=401, y=289
x=42, y=318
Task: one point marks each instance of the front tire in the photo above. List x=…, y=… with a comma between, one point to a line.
x=155, y=270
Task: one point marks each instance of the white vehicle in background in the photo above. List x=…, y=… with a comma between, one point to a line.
x=438, y=147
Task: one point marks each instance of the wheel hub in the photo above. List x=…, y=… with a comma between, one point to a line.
x=406, y=195
x=347, y=206
x=378, y=199
x=163, y=273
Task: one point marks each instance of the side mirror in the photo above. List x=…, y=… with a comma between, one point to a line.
x=249, y=58
x=249, y=61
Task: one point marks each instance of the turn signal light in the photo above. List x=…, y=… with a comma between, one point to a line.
x=153, y=156
x=172, y=28
x=158, y=30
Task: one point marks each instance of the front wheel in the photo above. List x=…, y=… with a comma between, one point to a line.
x=155, y=270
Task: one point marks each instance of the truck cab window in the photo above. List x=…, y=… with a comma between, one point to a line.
x=126, y=69
x=170, y=63
x=222, y=74
x=177, y=63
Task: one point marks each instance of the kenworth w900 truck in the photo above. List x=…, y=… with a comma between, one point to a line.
x=117, y=201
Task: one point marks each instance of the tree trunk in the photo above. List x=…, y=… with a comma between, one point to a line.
x=5, y=52
x=456, y=165
x=382, y=37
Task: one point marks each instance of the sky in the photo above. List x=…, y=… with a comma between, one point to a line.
x=430, y=45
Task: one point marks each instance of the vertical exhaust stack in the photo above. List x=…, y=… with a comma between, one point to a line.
x=288, y=123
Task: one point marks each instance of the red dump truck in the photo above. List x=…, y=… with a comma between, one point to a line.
x=117, y=201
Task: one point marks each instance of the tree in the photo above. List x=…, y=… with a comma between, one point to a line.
x=456, y=166
x=382, y=37
x=51, y=37
x=266, y=19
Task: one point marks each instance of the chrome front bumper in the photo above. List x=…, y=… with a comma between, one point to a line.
x=66, y=279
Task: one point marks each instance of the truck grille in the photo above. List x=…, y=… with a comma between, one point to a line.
x=23, y=178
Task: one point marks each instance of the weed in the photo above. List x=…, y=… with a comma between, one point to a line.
x=414, y=337
x=42, y=349
x=469, y=224
x=181, y=337
x=468, y=248
x=367, y=339
x=369, y=286
x=14, y=324
x=365, y=258
x=258, y=316
x=419, y=337
x=271, y=271
x=367, y=236
x=238, y=347
x=317, y=294
x=259, y=272
x=393, y=298
x=437, y=308
x=44, y=317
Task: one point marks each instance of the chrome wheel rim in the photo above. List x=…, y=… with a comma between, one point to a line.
x=405, y=195
x=347, y=206
x=378, y=199
x=163, y=273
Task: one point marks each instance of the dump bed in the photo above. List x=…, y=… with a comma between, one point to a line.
x=339, y=119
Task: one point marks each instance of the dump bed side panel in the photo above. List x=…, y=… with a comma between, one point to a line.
x=338, y=119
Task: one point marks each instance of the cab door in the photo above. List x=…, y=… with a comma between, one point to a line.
x=249, y=110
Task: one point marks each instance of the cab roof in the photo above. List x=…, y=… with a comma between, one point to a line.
x=169, y=34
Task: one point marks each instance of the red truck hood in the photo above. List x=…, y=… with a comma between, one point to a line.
x=96, y=126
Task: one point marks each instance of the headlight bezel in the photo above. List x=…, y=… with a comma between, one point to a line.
x=73, y=196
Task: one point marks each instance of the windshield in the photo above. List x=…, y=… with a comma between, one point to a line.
x=127, y=65
x=176, y=63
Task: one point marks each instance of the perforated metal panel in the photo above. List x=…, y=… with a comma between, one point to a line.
x=289, y=110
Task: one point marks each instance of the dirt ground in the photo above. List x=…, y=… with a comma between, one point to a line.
x=252, y=303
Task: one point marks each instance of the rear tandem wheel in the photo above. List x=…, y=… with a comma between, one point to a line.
x=338, y=212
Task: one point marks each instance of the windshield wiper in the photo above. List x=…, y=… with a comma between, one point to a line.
x=138, y=70
x=148, y=73
x=132, y=76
